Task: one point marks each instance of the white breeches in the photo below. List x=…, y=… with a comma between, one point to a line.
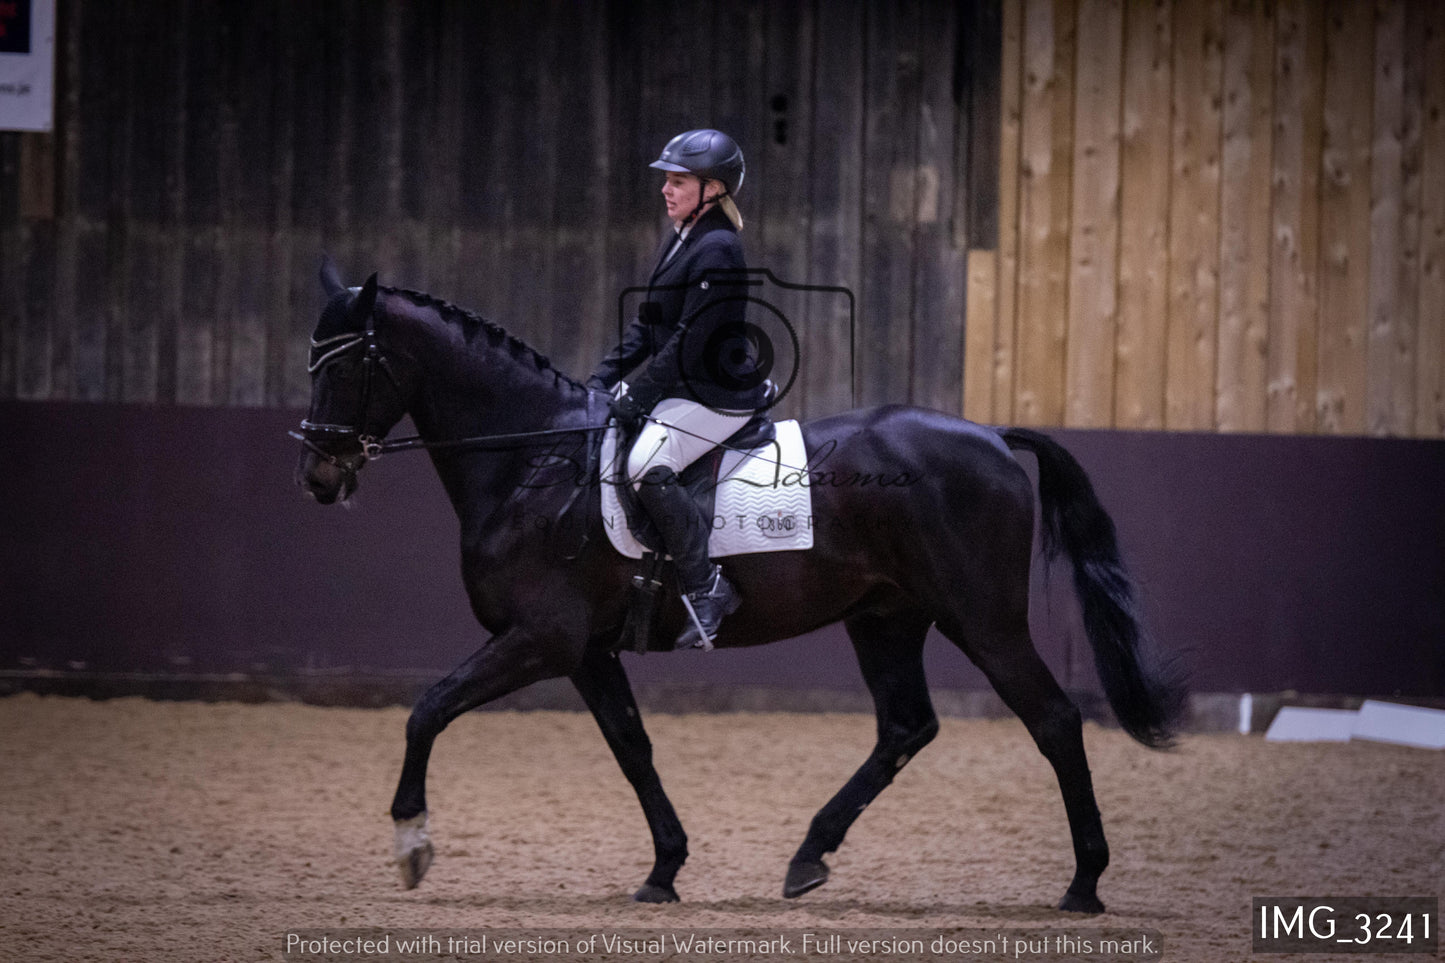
x=680, y=433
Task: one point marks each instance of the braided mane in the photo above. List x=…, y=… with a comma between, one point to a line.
x=474, y=325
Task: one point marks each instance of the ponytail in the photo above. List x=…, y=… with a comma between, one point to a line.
x=731, y=210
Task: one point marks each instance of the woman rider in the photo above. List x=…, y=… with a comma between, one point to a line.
x=689, y=404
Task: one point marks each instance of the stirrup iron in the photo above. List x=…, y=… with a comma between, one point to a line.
x=721, y=600
x=706, y=643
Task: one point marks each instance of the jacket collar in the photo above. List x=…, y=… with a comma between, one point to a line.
x=713, y=219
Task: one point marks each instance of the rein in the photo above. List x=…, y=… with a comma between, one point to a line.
x=329, y=350
x=373, y=447
x=416, y=442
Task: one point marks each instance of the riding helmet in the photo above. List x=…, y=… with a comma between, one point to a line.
x=706, y=153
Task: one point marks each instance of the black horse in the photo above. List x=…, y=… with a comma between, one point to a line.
x=921, y=519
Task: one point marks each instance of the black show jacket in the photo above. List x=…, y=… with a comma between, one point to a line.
x=690, y=327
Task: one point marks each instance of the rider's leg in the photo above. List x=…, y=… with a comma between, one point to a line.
x=679, y=433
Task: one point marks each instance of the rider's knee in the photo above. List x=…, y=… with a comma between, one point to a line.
x=658, y=475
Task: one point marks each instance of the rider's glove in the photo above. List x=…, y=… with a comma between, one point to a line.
x=626, y=409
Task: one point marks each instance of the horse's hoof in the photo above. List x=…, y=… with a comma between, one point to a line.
x=1075, y=903
x=804, y=878
x=414, y=852
x=652, y=893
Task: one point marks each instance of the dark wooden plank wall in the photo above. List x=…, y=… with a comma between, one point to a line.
x=161, y=245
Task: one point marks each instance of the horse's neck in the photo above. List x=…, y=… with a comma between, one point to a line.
x=491, y=390
x=477, y=379
x=483, y=402
x=493, y=482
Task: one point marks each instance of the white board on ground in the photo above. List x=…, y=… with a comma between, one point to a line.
x=1298, y=724
x=1403, y=725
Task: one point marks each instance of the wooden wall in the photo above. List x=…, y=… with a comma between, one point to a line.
x=1217, y=215
x=161, y=246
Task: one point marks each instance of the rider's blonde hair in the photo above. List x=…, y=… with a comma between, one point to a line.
x=724, y=201
x=731, y=210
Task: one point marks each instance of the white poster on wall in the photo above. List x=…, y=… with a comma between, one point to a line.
x=27, y=64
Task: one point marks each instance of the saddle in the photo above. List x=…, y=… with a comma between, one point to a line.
x=699, y=479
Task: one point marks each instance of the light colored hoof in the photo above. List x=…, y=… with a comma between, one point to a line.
x=414, y=851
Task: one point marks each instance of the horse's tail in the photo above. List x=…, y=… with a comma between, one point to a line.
x=1147, y=696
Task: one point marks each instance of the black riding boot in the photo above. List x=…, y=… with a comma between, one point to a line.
x=706, y=593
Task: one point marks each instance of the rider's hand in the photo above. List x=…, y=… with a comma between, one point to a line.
x=626, y=409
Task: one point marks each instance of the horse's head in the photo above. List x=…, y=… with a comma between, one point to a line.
x=357, y=394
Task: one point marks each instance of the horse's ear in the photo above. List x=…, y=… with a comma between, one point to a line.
x=330, y=277
x=365, y=301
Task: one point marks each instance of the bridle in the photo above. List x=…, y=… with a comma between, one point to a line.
x=325, y=353
x=328, y=351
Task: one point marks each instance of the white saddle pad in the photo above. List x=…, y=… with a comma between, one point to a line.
x=763, y=504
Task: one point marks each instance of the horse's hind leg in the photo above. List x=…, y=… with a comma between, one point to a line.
x=890, y=653
x=1006, y=654
x=604, y=687
x=507, y=662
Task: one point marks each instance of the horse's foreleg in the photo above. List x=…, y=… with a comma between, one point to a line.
x=507, y=662
x=604, y=687
x=890, y=653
